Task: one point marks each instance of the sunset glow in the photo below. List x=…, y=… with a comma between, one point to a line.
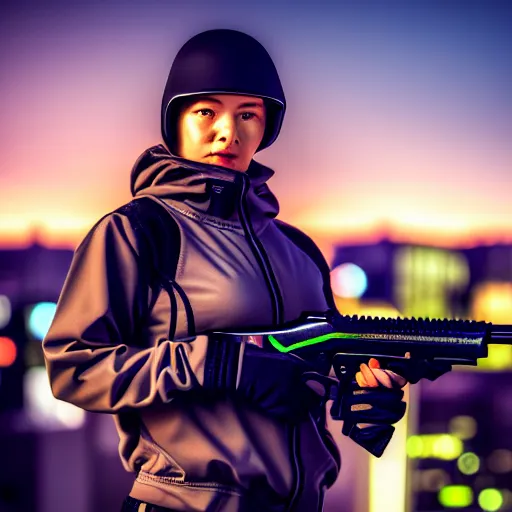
x=397, y=124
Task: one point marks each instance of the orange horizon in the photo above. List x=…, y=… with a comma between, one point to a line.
x=326, y=239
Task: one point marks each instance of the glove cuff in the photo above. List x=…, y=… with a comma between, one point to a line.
x=221, y=364
x=373, y=439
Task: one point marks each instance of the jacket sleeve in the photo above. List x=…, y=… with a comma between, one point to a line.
x=94, y=353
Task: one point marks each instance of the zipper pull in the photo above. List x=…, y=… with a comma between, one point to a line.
x=222, y=196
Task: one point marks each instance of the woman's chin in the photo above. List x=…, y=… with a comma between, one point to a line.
x=229, y=163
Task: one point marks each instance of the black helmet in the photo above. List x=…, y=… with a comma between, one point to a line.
x=223, y=61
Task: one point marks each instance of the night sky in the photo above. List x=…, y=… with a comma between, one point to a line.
x=399, y=115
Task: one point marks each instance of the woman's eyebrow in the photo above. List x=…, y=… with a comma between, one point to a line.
x=210, y=99
x=248, y=104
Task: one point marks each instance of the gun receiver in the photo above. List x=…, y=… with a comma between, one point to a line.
x=458, y=342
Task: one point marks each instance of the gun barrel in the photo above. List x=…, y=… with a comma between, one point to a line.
x=501, y=335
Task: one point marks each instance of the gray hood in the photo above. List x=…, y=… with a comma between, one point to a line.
x=201, y=188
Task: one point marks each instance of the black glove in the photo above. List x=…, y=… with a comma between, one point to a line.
x=325, y=388
x=368, y=415
x=270, y=382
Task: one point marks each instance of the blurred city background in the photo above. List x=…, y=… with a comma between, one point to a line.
x=395, y=157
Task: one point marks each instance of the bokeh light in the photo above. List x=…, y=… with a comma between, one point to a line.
x=500, y=461
x=415, y=447
x=432, y=480
x=40, y=319
x=455, y=496
x=463, y=427
x=468, y=463
x=5, y=311
x=490, y=500
x=42, y=408
x=447, y=447
x=348, y=280
x=434, y=446
x=8, y=351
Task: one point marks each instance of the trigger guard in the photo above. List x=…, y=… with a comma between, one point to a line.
x=345, y=367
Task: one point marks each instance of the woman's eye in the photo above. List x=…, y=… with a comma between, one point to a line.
x=205, y=112
x=248, y=115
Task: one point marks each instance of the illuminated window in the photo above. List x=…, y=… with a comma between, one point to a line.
x=434, y=446
x=455, y=496
x=426, y=278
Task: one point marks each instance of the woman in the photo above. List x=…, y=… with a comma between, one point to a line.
x=206, y=424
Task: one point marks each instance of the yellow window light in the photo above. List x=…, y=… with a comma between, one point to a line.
x=492, y=302
x=447, y=447
x=490, y=500
x=455, y=496
x=415, y=447
x=468, y=463
x=434, y=446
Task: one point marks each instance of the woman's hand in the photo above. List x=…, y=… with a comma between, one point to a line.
x=371, y=375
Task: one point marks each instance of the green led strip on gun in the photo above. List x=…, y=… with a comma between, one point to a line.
x=373, y=336
x=312, y=341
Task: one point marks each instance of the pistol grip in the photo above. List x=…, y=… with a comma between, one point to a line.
x=373, y=438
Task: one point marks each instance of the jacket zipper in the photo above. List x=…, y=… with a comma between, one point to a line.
x=259, y=253
x=277, y=305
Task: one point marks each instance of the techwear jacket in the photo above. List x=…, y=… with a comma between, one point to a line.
x=122, y=339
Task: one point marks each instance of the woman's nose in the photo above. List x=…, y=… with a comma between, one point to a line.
x=227, y=130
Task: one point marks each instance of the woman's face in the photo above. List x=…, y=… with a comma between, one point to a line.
x=221, y=129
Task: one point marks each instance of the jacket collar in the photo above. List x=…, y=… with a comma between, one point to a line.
x=208, y=191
